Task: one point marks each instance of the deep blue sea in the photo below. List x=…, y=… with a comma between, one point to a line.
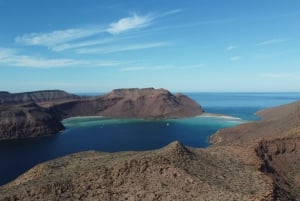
x=111, y=135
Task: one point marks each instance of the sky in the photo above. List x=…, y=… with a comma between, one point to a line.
x=184, y=46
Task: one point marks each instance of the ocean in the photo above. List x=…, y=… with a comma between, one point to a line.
x=111, y=135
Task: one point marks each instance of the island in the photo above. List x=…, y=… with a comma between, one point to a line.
x=39, y=113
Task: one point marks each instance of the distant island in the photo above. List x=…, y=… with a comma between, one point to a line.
x=39, y=113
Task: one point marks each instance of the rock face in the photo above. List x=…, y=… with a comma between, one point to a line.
x=272, y=145
x=281, y=161
x=26, y=114
x=171, y=173
x=148, y=103
x=27, y=120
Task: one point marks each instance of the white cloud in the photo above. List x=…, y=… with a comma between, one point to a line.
x=67, y=46
x=57, y=37
x=128, y=23
x=170, y=12
x=136, y=21
x=162, y=67
x=231, y=47
x=5, y=53
x=74, y=38
x=148, y=68
x=194, y=24
x=137, y=68
x=130, y=47
x=280, y=76
x=191, y=67
x=272, y=41
x=235, y=58
x=89, y=43
x=12, y=58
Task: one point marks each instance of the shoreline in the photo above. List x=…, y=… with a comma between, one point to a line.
x=218, y=116
x=223, y=116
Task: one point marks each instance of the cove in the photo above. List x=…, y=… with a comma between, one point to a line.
x=109, y=135
x=104, y=134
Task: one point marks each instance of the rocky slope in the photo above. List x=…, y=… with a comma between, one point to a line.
x=272, y=145
x=27, y=120
x=276, y=122
x=148, y=103
x=171, y=173
x=281, y=161
x=25, y=114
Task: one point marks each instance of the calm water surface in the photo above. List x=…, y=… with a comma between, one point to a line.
x=17, y=156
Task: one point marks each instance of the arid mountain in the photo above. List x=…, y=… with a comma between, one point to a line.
x=19, y=121
x=171, y=173
x=28, y=114
x=147, y=103
x=253, y=161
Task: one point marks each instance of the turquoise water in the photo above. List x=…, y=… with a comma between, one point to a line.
x=136, y=134
x=103, y=134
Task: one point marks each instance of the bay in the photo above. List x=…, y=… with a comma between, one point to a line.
x=103, y=134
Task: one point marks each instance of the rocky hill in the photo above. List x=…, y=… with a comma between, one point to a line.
x=28, y=114
x=272, y=145
x=27, y=120
x=148, y=103
x=171, y=173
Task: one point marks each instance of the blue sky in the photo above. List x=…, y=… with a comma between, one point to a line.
x=187, y=46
